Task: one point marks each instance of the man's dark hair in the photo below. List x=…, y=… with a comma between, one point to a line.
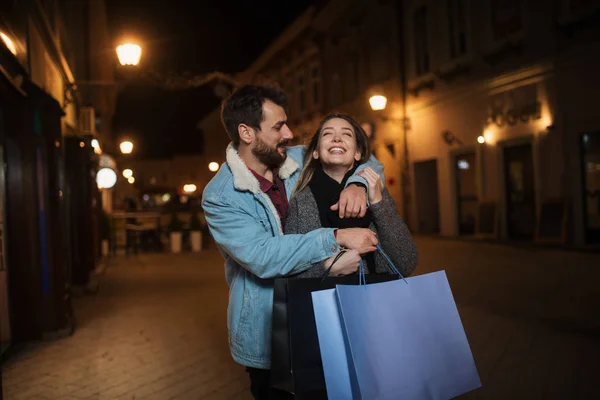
x=244, y=106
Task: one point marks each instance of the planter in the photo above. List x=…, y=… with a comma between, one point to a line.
x=196, y=239
x=175, y=242
x=105, y=247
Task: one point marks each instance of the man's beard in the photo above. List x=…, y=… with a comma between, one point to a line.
x=269, y=156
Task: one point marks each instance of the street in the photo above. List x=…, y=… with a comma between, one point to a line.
x=156, y=329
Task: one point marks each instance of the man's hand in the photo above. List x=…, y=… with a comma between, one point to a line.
x=352, y=202
x=347, y=263
x=361, y=239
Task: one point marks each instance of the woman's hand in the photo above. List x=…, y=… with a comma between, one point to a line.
x=347, y=263
x=375, y=184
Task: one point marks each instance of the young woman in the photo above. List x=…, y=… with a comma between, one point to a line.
x=338, y=147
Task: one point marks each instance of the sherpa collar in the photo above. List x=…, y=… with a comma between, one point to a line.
x=243, y=178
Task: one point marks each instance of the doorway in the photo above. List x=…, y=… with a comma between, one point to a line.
x=426, y=196
x=466, y=192
x=520, y=191
x=590, y=169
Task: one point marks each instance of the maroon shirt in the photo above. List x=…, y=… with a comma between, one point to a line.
x=276, y=192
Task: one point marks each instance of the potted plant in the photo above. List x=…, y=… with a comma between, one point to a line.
x=175, y=227
x=105, y=233
x=195, y=232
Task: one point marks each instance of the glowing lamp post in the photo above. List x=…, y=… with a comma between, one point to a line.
x=126, y=147
x=189, y=188
x=213, y=166
x=378, y=102
x=129, y=54
x=106, y=178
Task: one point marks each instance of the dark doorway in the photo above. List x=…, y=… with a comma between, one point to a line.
x=466, y=192
x=426, y=195
x=520, y=191
x=590, y=168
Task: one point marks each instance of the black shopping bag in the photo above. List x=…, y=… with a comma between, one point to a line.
x=295, y=355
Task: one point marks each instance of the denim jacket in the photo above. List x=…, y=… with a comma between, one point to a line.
x=245, y=225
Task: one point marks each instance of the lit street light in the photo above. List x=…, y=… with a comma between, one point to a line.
x=189, y=188
x=126, y=147
x=131, y=179
x=213, y=166
x=129, y=54
x=10, y=45
x=127, y=173
x=106, y=178
x=378, y=102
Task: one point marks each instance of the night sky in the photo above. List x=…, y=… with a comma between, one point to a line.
x=197, y=37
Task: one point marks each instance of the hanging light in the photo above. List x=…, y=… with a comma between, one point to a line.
x=126, y=147
x=189, y=188
x=10, y=45
x=106, y=178
x=129, y=54
x=378, y=102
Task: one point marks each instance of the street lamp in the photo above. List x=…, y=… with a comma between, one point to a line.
x=127, y=173
x=189, y=188
x=378, y=102
x=126, y=147
x=106, y=178
x=10, y=45
x=213, y=166
x=129, y=54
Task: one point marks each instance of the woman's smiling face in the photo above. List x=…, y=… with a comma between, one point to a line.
x=337, y=144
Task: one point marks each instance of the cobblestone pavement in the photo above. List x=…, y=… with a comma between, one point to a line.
x=157, y=328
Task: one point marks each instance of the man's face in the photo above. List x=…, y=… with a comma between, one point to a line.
x=270, y=143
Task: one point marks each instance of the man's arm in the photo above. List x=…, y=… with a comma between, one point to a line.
x=245, y=239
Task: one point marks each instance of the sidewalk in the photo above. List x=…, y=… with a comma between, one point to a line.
x=156, y=329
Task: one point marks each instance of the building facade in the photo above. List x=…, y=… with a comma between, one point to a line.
x=490, y=127
x=493, y=150
x=42, y=145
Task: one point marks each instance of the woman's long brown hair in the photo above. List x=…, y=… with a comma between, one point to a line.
x=310, y=164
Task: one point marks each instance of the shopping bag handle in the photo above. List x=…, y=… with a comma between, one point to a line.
x=337, y=257
x=362, y=280
x=390, y=263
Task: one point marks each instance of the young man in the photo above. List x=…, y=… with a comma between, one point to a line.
x=245, y=206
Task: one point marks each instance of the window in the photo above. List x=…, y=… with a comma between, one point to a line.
x=506, y=18
x=457, y=27
x=301, y=92
x=380, y=62
x=315, y=83
x=420, y=36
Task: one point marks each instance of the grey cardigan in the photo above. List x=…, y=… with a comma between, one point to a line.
x=393, y=234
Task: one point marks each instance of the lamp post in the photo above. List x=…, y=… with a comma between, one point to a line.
x=126, y=147
x=378, y=103
x=129, y=54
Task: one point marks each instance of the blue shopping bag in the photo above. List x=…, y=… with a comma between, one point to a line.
x=395, y=339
